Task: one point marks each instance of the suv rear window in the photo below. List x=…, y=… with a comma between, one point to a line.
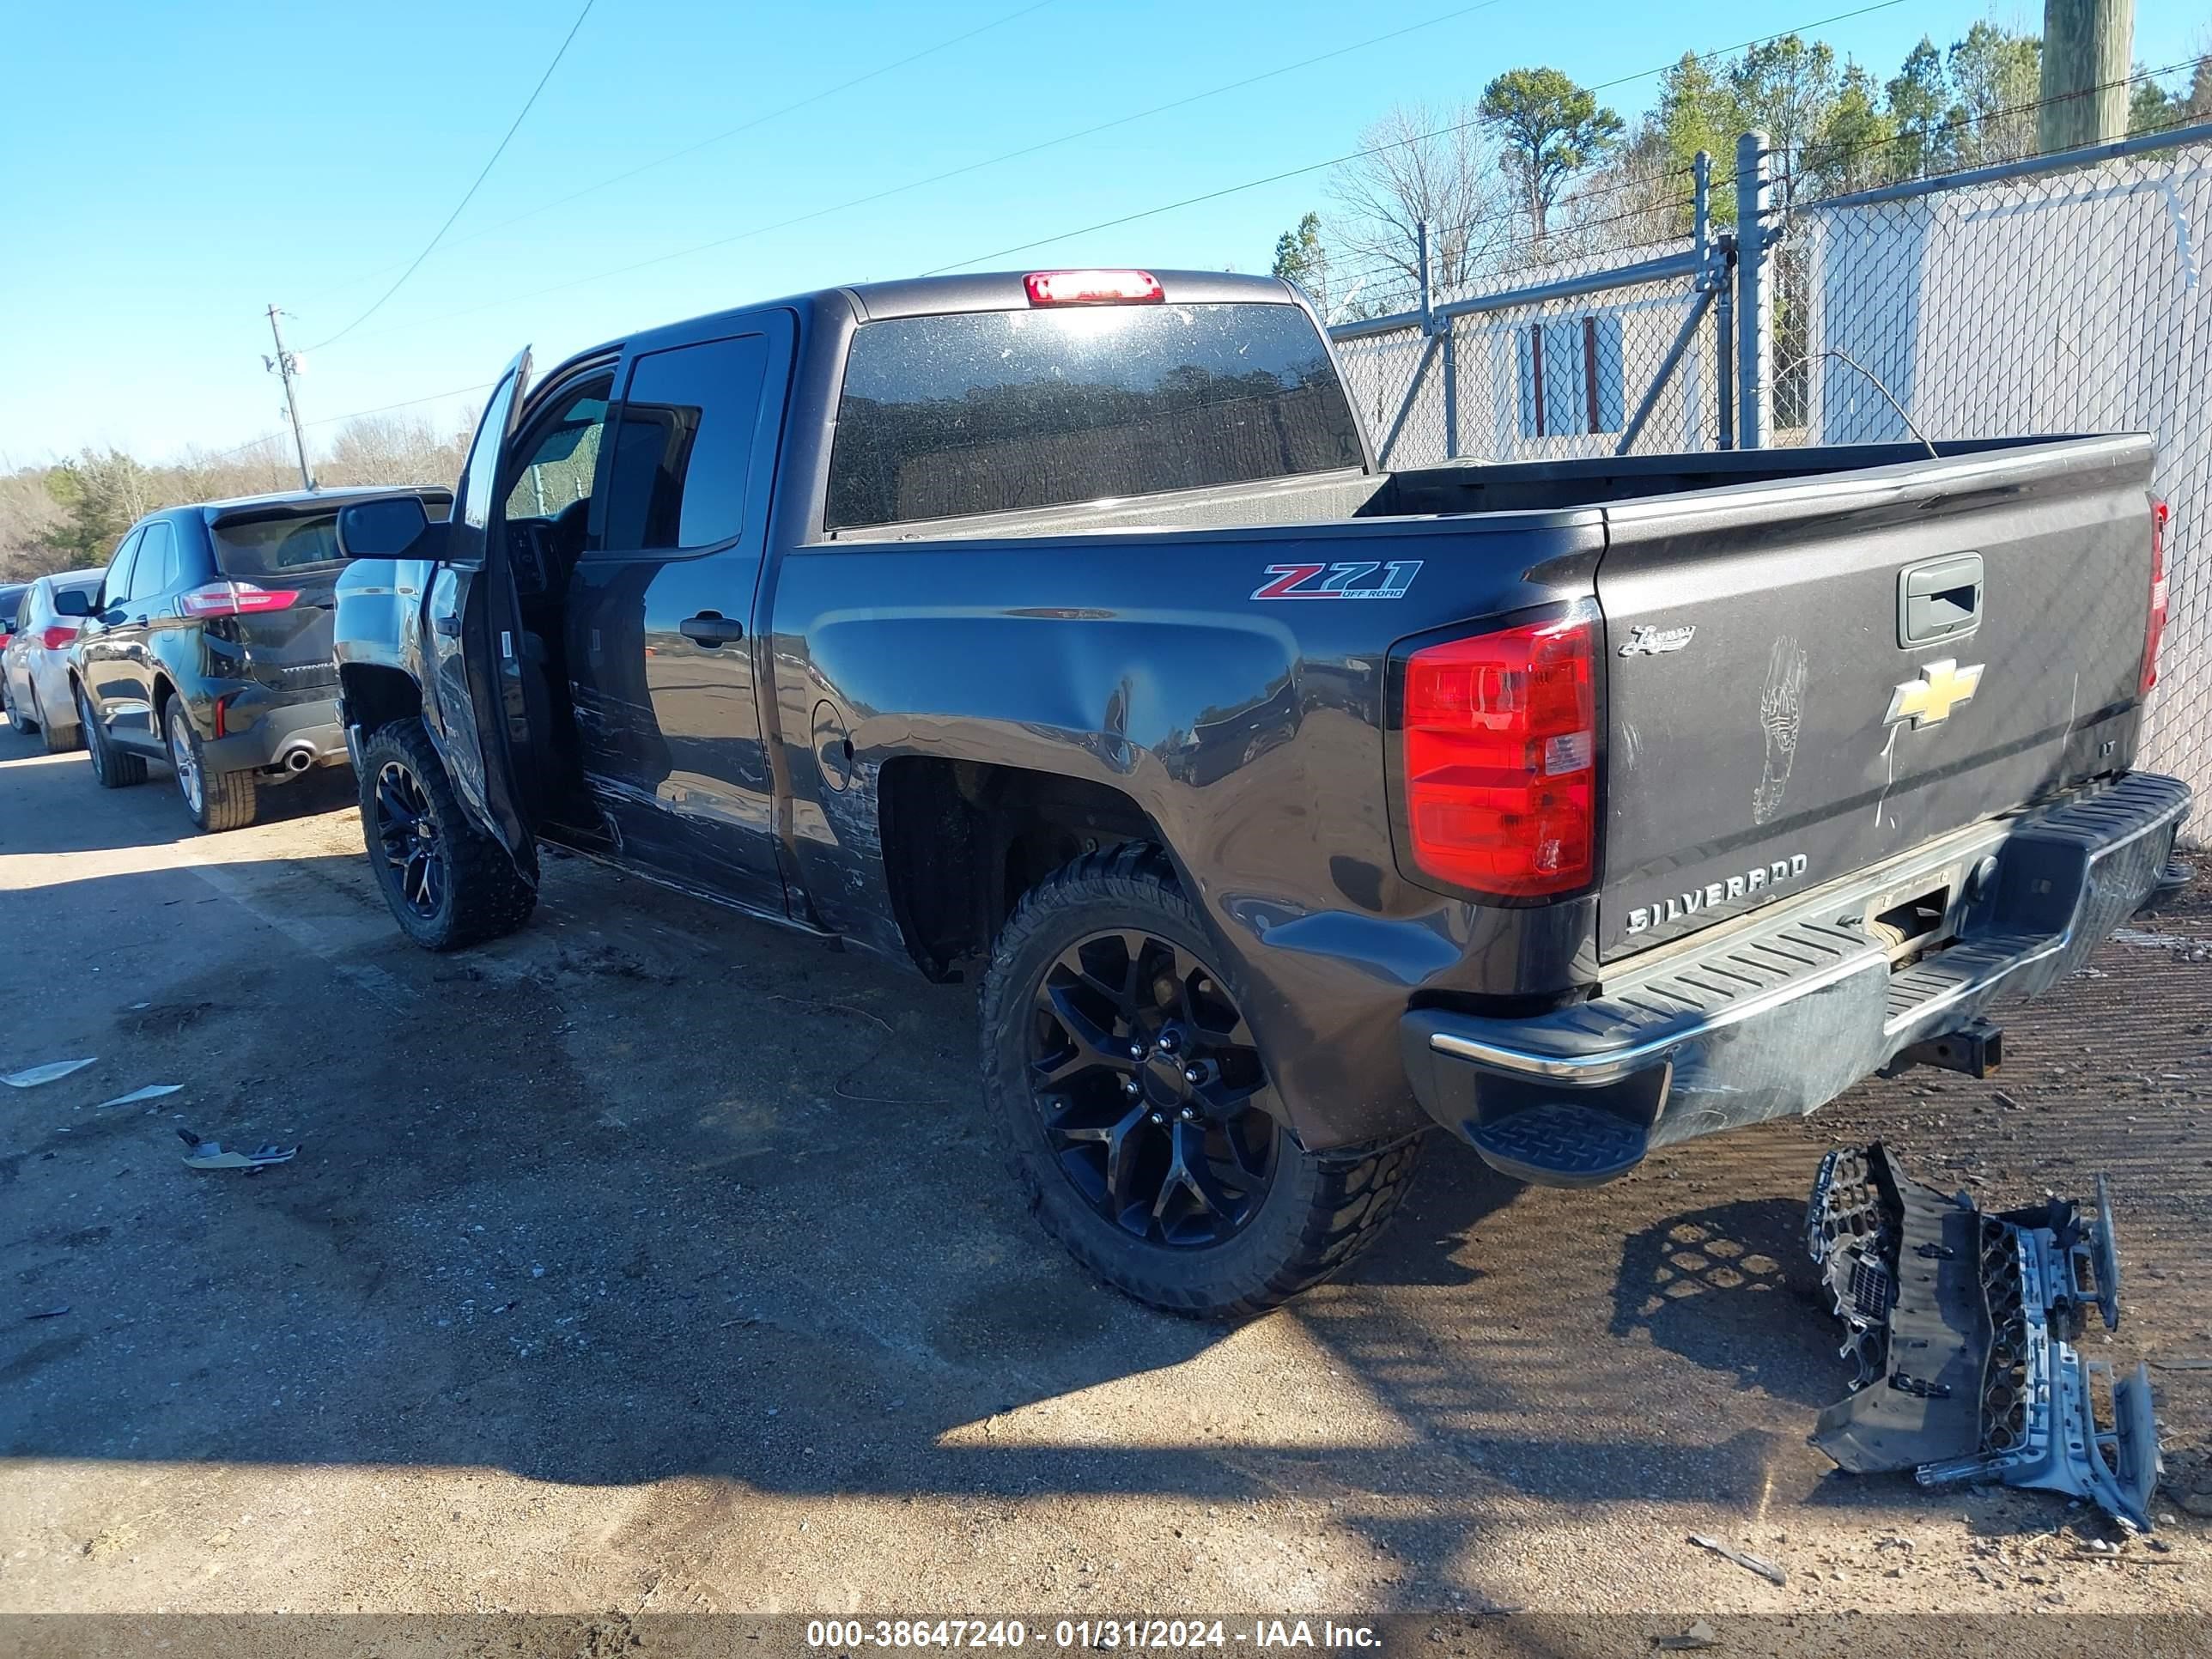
x=1001, y=411
x=263, y=547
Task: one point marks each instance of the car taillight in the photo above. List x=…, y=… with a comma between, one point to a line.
x=2154, y=626
x=233, y=599
x=1499, y=739
x=58, y=636
x=1092, y=288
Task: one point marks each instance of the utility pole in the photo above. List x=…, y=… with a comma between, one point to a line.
x=285, y=365
x=2088, y=46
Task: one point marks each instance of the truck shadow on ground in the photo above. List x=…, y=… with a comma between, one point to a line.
x=1732, y=1289
x=647, y=1192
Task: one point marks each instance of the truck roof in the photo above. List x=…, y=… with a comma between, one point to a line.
x=992, y=290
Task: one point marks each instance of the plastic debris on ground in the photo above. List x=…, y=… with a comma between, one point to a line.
x=1757, y=1564
x=1699, y=1635
x=151, y=1092
x=210, y=1154
x=1963, y=1326
x=32, y=1077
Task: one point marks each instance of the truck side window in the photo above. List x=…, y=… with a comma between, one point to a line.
x=682, y=446
x=564, y=454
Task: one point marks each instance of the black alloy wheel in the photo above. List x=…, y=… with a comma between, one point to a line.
x=1151, y=1089
x=407, y=833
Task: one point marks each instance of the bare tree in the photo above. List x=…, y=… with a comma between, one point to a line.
x=391, y=449
x=1419, y=163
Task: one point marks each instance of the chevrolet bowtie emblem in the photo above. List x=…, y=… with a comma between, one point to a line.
x=1929, y=700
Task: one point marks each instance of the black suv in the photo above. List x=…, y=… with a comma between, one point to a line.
x=208, y=645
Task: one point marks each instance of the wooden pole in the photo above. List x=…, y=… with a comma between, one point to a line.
x=2087, y=46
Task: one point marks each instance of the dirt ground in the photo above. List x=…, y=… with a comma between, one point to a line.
x=656, y=1261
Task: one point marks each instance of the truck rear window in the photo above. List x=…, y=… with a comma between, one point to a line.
x=1001, y=411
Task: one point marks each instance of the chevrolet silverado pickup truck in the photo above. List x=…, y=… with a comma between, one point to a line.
x=1060, y=630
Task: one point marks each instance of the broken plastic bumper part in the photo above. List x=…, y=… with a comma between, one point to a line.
x=1963, y=1327
x=1772, y=1015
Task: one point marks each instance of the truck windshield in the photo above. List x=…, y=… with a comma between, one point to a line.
x=1002, y=410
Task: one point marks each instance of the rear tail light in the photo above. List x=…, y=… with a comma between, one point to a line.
x=234, y=600
x=58, y=636
x=1092, y=288
x=1499, y=744
x=2154, y=626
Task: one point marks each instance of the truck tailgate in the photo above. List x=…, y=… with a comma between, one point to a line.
x=1805, y=678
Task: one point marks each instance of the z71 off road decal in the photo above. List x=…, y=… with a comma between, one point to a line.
x=1353, y=581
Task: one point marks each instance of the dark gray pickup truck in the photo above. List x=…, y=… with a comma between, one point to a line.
x=1062, y=630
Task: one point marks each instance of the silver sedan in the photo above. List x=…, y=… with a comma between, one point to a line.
x=34, y=664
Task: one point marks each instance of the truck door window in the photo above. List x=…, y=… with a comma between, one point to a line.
x=682, y=446
x=563, y=447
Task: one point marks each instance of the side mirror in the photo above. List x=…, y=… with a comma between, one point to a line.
x=69, y=602
x=391, y=527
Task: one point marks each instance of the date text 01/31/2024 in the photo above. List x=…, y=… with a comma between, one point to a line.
x=1089, y=1634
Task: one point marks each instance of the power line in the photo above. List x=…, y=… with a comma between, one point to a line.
x=470, y=194
x=989, y=161
x=1373, y=150
x=742, y=127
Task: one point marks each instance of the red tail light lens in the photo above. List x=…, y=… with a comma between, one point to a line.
x=2154, y=627
x=1093, y=287
x=234, y=600
x=58, y=636
x=1499, y=744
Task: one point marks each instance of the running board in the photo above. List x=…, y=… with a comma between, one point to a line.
x=1963, y=1327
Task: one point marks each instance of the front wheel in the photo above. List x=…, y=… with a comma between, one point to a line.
x=449, y=885
x=112, y=768
x=1136, y=1110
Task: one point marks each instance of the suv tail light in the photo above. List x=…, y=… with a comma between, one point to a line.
x=1093, y=287
x=234, y=600
x=1499, y=741
x=58, y=636
x=2155, y=625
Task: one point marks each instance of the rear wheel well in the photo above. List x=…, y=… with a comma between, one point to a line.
x=375, y=697
x=163, y=690
x=964, y=841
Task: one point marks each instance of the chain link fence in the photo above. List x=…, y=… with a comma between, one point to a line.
x=2051, y=295
x=1584, y=357
x=2048, y=301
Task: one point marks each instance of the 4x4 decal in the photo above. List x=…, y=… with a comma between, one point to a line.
x=1341, y=581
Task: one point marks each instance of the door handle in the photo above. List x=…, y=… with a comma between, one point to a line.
x=711, y=628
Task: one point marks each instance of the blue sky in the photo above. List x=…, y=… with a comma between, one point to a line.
x=171, y=170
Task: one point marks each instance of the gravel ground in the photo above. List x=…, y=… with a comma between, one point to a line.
x=655, y=1261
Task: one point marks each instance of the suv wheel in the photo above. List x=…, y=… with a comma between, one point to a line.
x=448, y=885
x=112, y=768
x=1137, y=1111
x=216, y=800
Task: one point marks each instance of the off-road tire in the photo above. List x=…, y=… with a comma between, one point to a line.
x=112, y=768
x=1319, y=1212
x=228, y=800
x=485, y=897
